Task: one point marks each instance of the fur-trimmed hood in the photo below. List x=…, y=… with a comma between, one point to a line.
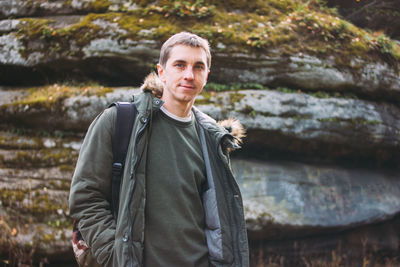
x=154, y=85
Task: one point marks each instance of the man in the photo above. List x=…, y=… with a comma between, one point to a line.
x=179, y=202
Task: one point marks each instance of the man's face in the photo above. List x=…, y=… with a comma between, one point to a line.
x=184, y=75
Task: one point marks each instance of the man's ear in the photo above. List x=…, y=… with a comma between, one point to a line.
x=160, y=71
x=208, y=72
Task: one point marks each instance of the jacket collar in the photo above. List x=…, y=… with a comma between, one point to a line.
x=150, y=101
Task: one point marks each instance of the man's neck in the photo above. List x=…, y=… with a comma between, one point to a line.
x=180, y=109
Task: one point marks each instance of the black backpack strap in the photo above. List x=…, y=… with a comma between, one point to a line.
x=126, y=115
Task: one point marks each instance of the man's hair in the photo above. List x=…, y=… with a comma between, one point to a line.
x=184, y=38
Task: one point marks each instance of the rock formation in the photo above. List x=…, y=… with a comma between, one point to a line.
x=318, y=96
x=279, y=123
x=121, y=47
x=376, y=15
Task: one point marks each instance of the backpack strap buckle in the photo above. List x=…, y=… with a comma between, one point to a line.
x=117, y=169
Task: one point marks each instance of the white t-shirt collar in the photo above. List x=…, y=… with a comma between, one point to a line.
x=182, y=119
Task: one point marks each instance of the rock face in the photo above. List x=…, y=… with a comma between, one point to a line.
x=284, y=125
x=297, y=214
x=302, y=125
x=318, y=168
x=110, y=48
x=35, y=176
x=74, y=113
x=306, y=72
x=127, y=62
x=283, y=201
x=376, y=15
x=286, y=199
x=21, y=8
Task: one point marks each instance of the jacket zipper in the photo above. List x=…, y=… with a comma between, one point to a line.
x=233, y=187
x=132, y=189
x=239, y=254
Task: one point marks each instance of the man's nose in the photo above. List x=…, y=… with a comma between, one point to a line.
x=188, y=75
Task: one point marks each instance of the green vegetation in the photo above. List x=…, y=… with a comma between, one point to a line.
x=37, y=203
x=9, y=141
x=183, y=9
x=33, y=205
x=216, y=87
x=317, y=94
x=204, y=98
x=28, y=210
x=351, y=121
x=256, y=27
x=41, y=158
x=34, y=208
x=25, y=139
x=46, y=96
x=249, y=110
x=236, y=97
x=264, y=27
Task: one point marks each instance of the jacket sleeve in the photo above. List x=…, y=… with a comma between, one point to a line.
x=90, y=188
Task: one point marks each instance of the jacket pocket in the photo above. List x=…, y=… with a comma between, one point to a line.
x=213, y=224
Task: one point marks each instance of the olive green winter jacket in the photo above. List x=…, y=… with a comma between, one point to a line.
x=120, y=242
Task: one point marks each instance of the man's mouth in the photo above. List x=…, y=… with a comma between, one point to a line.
x=187, y=86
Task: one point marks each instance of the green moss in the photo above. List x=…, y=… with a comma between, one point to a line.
x=235, y=97
x=42, y=158
x=357, y=121
x=286, y=90
x=60, y=184
x=47, y=238
x=35, y=27
x=99, y=5
x=256, y=6
x=261, y=27
x=182, y=9
x=249, y=110
x=318, y=94
x=66, y=168
x=37, y=203
x=59, y=224
x=204, y=98
x=25, y=139
x=42, y=204
x=10, y=197
x=9, y=141
x=217, y=87
x=47, y=96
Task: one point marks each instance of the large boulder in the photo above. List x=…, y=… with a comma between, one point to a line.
x=35, y=175
x=298, y=125
x=318, y=168
x=305, y=215
x=376, y=15
x=285, y=199
x=285, y=203
x=312, y=50
x=292, y=125
x=22, y=8
x=69, y=114
x=310, y=73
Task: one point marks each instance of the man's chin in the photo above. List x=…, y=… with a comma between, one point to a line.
x=186, y=98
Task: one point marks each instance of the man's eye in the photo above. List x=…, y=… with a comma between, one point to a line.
x=200, y=67
x=179, y=65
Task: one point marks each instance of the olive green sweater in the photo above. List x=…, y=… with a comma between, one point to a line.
x=174, y=231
